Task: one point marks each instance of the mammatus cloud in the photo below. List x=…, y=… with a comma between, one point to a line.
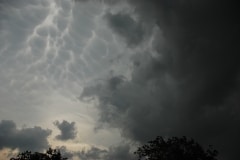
x=67, y=129
x=186, y=82
x=133, y=33
x=48, y=51
x=34, y=139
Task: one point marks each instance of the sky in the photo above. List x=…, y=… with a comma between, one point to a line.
x=97, y=78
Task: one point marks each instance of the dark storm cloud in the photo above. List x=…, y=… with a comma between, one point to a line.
x=191, y=87
x=33, y=139
x=68, y=130
x=124, y=25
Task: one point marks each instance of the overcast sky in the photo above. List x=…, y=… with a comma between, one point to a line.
x=96, y=77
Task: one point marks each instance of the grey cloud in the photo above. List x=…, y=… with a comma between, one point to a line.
x=191, y=87
x=124, y=25
x=93, y=153
x=16, y=24
x=119, y=152
x=33, y=139
x=65, y=152
x=68, y=130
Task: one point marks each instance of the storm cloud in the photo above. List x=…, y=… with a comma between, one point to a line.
x=34, y=139
x=186, y=82
x=141, y=68
x=133, y=33
x=67, y=129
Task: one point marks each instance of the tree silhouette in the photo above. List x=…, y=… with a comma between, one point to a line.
x=174, y=149
x=51, y=154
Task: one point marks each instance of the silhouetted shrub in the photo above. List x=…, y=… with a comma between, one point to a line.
x=174, y=149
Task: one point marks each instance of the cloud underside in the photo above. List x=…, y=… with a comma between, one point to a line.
x=185, y=82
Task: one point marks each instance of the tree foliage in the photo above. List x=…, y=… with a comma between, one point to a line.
x=51, y=154
x=175, y=149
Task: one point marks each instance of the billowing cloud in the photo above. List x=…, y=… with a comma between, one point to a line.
x=34, y=139
x=67, y=129
x=185, y=82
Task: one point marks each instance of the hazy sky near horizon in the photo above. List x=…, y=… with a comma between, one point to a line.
x=102, y=76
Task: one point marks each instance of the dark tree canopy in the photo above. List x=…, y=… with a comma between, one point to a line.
x=175, y=149
x=51, y=154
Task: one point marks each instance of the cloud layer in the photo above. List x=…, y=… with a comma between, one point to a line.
x=112, y=153
x=156, y=67
x=185, y=81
